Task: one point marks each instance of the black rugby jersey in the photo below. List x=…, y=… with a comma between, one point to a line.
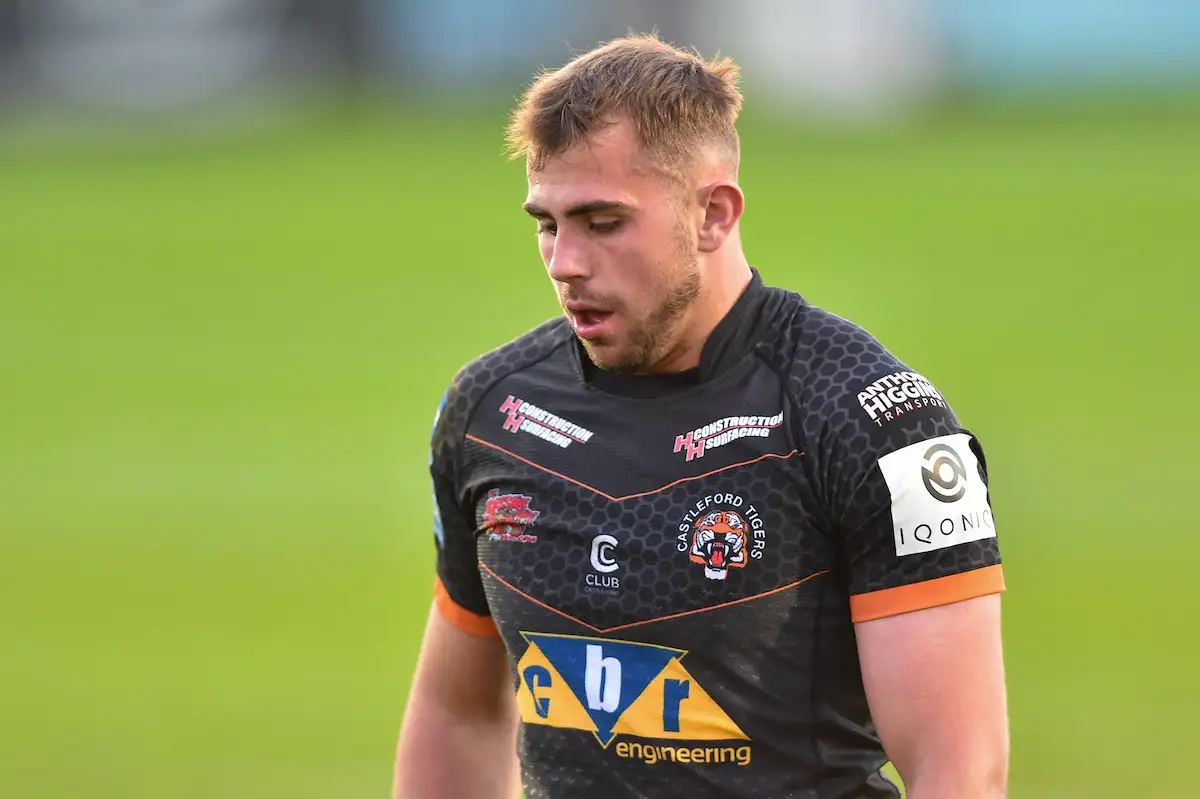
x=675, y=563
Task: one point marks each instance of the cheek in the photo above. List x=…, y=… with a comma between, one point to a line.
x=635, y=257
x=645, y=264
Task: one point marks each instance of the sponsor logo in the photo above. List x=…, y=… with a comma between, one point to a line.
x=721, y=532
x=525, y=417
x=939, y=498
x=944, y=475
x=894, y=395
x=621, y=689
x=605, y=564
x=506, y=517
x=725, y=431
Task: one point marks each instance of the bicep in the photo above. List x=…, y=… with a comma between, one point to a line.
x=464, y=673
x=459, y=733
x=934, y=680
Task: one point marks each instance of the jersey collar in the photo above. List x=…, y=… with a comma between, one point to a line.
x=734, y=336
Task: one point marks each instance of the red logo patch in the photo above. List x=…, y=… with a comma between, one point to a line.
x=506, y=516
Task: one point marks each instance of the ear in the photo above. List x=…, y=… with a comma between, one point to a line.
x=722, y=205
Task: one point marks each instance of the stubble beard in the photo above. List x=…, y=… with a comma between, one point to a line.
x=652, y=341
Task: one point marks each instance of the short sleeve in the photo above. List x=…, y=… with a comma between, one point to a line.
x=911, y=502
x=458, y=586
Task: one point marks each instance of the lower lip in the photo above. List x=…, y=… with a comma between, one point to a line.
x=592, y=325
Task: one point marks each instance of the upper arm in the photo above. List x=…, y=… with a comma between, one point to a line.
x=459, y=733
x=463, y=664
x=465, y=675
x=934, y=680
x=919, y=553
x=458, y=737
x=458, y=586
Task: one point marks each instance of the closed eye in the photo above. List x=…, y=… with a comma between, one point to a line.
x=607, y=226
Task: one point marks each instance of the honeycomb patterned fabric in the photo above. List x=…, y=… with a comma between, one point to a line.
x=675, y=564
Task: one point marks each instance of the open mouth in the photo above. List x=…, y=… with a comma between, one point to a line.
x=592, y=324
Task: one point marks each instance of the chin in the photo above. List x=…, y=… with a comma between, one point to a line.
x=612, y=358
x=601, y=353
x=605, y=355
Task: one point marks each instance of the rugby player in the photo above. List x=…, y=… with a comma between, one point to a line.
x=697, y=537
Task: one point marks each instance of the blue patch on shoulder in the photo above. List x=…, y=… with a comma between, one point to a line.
x=439, y=532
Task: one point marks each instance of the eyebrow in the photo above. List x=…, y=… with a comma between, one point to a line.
x=582, y=209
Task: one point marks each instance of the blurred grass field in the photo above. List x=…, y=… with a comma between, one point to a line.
x=220, y=360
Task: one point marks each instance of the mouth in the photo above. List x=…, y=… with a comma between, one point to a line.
x=590, y=322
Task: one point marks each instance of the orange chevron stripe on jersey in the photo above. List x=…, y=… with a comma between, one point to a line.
x=486, y=570
x=651, y=492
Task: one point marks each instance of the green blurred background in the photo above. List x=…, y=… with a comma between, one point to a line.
x=220, y=355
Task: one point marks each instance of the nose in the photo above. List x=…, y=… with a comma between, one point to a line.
x=567, y=260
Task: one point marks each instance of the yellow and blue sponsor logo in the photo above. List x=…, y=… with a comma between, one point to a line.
x=621, y=688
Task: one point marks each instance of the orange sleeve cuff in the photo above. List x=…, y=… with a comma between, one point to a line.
x=459, y=616
x=928, y=594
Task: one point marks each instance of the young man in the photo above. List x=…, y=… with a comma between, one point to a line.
x=698, y=538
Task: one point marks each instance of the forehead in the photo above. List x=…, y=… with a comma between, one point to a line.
x=608, y=166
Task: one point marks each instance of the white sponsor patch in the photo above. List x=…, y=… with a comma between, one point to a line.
x=938, y=498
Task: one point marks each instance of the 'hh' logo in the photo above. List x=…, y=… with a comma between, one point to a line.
x=612, y=688
x=725, y=431
x=525, y=417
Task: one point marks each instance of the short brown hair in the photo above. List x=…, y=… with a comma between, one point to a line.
x=675, y=100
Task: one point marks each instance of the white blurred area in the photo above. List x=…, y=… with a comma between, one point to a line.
x=835, y=58
x=823, y=59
